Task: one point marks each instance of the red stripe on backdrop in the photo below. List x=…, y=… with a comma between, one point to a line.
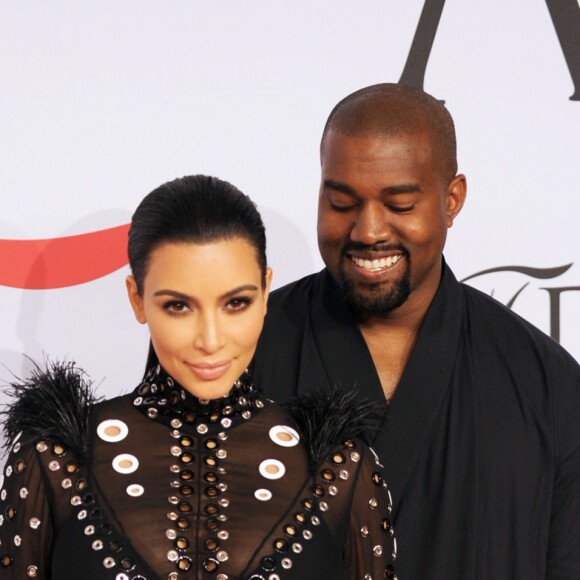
x=62, y=262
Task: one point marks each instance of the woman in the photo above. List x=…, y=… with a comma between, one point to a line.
x=192, y=475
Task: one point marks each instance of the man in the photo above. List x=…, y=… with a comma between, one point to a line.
x=481, y=439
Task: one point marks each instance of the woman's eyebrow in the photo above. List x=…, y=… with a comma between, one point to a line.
x=187, y=297
x=242, y=288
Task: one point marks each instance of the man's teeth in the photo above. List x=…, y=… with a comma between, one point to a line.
x=376, y=264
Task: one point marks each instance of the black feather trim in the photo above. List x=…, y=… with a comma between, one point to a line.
x=328, y=418
x=54, y=404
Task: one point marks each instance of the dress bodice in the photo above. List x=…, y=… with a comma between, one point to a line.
x=175, y=487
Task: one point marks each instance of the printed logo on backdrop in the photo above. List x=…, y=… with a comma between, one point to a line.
x=62, y=262
x=554, y=291
x=565, y=16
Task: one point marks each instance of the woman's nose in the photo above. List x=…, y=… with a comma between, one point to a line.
x=208, y=336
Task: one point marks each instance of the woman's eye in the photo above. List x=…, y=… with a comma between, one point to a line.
x=236, y=304
x=175, y=307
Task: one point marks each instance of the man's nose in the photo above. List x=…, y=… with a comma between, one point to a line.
x=371, y=225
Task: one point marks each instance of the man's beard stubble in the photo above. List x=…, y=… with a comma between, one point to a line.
x=375, y=300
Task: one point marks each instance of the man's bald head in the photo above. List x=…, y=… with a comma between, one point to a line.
x=391, y=109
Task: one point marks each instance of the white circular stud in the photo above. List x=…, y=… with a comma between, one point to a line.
x=112, y=430
x=272, y=469
x=125, y=463
x=135, y=490
x=284, y=436
x=263, y=494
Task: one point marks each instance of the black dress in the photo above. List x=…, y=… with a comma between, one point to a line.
x=159, y=484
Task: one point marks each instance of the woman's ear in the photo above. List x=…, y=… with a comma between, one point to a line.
x=268, y=283
x=135, y=299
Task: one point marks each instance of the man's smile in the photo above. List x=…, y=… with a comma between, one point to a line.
x=376, y=264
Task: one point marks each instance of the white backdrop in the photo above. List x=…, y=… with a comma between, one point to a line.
x=102, y=101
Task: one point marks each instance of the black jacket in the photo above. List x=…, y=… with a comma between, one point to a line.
x=481, y=442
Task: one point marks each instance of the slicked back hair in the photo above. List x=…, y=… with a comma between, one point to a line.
x=198, y=209
x=192, y=209
x=389, y=110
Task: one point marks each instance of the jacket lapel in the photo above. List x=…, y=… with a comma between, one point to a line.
x=335, y=341
x=423, y=385
x=334, y=352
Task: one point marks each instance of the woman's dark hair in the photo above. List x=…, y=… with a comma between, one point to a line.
x=193, y=209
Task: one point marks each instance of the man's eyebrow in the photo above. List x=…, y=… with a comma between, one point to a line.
x=390, y=190
x=338, y=186
x=188, y=298
x=402, y=188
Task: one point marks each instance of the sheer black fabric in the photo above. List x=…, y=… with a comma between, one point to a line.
x=178, y=488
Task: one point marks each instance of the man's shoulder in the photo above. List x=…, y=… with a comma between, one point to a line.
x=298, y=288
x=288, y=321
x=482, y=305
x=491, y=316
x=295, y=295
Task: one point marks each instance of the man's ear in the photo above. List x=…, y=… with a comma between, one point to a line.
x=135, y=299
x=456, y=193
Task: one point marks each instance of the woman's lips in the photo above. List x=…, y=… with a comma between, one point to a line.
x=210, y=371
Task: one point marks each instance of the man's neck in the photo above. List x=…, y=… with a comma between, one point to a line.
x=391, y=337
x=390, y=345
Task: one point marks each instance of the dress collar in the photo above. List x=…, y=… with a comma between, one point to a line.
x=162, y=399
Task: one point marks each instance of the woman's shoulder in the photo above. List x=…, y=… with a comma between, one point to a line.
x=328, y=420
x=52, y=403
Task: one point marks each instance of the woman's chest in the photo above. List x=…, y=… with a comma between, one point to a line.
x=219, y=504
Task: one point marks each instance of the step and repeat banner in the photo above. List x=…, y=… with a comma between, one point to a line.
x=100, y=102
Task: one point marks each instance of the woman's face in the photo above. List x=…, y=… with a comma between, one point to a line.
x=205, y=306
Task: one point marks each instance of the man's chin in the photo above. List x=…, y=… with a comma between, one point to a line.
x=374, y=299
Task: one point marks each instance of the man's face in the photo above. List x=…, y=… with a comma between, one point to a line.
x=383, y=213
